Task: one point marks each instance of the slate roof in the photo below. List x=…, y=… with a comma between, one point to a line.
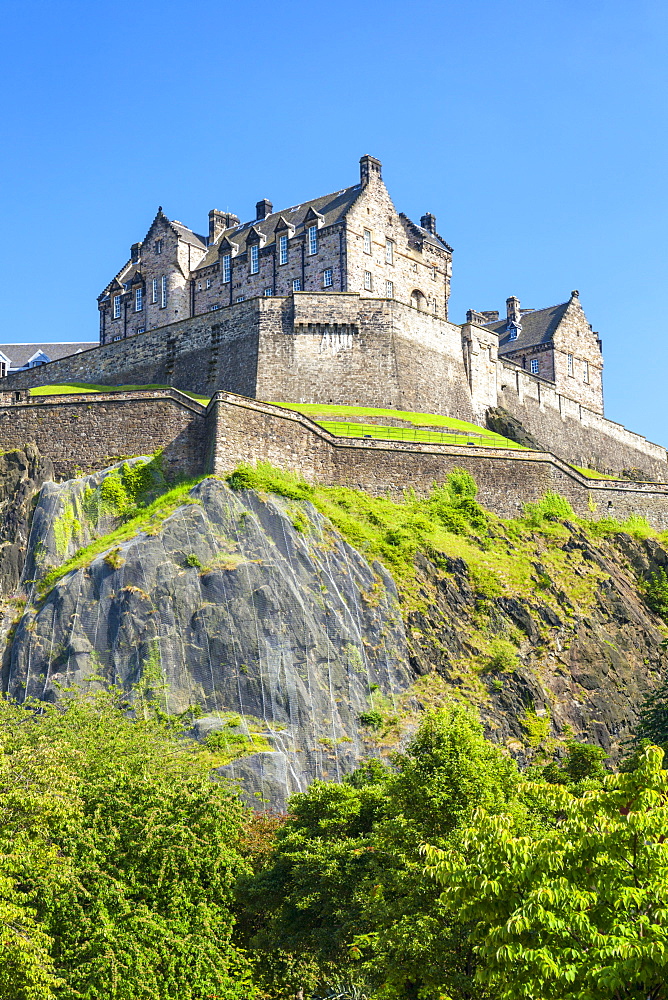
x=538, y=327
x=332, y=207
x=20, y=354
x=188, y=236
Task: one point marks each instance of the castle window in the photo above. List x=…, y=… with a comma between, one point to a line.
x=570, y=364
x=433, y=274
x=215, y=306
x=367, y=241
x=118, y=337
x=141, y=329
x=199, y=286
x=3, y=369
x=139, y=300
x=367, y=281
x=389, y=289
x=158, y=246
x=513, y=333
x=227, y=267
x=586, y=373
x=297, y=285
x=163, y=291
x=208, y=282
x=327, y=278
x=389, y=252
x=268, y=292
x=241, y=298
x=254, y=259
x=117, y=306
x=282, y=249
x=535, y=367
x=154, y=297
x=312, y=240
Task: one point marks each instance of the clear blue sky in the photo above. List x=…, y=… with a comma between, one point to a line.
x=535, y=132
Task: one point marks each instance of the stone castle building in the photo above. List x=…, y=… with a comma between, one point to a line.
x=351, y=241
x=344, y=300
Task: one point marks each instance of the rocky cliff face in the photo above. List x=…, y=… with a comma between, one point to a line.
x=254, y=608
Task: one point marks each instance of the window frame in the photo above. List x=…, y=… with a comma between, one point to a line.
x=570, y=367
x=268, y=292
x=254, y=258
x=282, y=250
x=534, y=366
x=163, y=292
x=312, y=237
x=368, y=281
x=116, y=307
x=389, y=251
x=296, y=284
x=227, y=268
x=328, y=277
x=389, y=289
x=139, y=299
x=367, y=241
x=585, y=376
x=154, y=296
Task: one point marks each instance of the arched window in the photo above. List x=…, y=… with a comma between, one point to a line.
x=418, y=300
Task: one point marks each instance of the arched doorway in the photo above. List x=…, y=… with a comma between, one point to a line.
x=418, y=300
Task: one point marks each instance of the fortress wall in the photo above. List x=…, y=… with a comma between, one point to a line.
x=253, y=431
x=92, y=431
x=575, y=433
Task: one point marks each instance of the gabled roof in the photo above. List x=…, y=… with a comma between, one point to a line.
x=21, y=354
x=332, y=208
x=538, y=327
x=188, y=236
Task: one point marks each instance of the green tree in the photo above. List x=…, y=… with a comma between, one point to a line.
x=578, y=910
x=119, y=856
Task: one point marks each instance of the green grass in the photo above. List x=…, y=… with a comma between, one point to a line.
x=146, y=519
x=592, y=473
x=332, y=419
x=61, y=389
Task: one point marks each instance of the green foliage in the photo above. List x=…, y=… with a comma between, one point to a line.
x=552, y=507
x=64, y=528
x=577, y=910
x=117, y=857
x=537, y=727
x=583, y=762
x=653, y=718
x=655, y=593
x=502, y=656
x=114, y=559
x=372, y=719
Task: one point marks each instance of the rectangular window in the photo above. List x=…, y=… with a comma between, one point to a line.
x=154, y=293
x=163, y=291
x=389, y=252
x=282, y=249
x=139, y=300
x=141, y=329
x=117, y=306
x=241, y=298
x=586, y=373
x=312, y=240
x=389, y=289
x=327, y=278
x=227, y=267
x=570, y=364
x=118, y=337
x=367, y=281
x=297, y=285
x=367, y=241
x=433, y=274
x=158, y=246
x=254, y=259
x=534, y=366
x=215, y=306
x=268, y=292
x=208, y=282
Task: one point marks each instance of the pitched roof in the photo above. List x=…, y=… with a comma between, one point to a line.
x=332, y=208
x=20, y=354
x=538, y=327
x=188, y=236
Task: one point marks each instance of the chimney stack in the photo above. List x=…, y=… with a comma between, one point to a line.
x=263, y=209
x=369, y=167
x=513, y=310
x=135, y=250
x=428, y=222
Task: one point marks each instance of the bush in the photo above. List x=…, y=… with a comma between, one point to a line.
x=502, y=656
x=372, y=719
x=655, y=593
x=551, y=507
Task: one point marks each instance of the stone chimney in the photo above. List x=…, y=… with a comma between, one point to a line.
x=513, y=310
x=216, y=224
x=263, y=209
x=370, y=168
x=135, y=251
x=471, y=315
x=428, y=222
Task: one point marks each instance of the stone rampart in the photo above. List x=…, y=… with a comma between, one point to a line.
x=93, y=430
x=573, y=432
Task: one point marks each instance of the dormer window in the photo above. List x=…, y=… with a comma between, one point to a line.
x=312, y=240
x=389, y=251
x=139, y=300
x=254, y=259
x=513, y=333
x=282, y=249
x=117, y=307
x=227, y=267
